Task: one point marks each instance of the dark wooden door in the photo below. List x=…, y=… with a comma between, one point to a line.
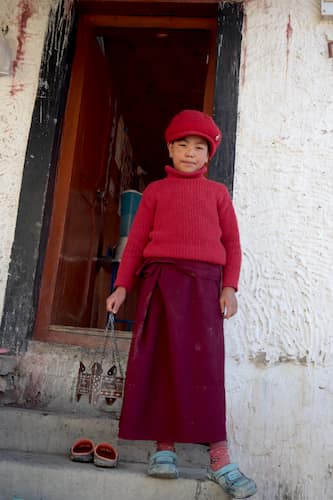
x=76, y=225
x=67, y=285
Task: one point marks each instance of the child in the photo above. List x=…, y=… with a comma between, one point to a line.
x=184, y=246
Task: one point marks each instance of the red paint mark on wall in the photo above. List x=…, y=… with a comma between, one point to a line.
x=16, y=87
x=330, y=48
x=25, y=12
x=289, y=32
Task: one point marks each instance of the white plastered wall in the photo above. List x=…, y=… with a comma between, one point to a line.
x=279, y=347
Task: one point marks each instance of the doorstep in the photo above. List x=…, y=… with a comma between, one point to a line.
x=34, y=476
x=53, y=432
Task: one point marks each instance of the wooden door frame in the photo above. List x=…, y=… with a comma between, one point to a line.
x=94, y=24
x=42, y=153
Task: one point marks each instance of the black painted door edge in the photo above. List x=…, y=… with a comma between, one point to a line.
x=229, y=39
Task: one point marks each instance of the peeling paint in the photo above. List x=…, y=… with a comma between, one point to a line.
x=60, y=25
x=60, y=21
x=61, y=18
x=261, y=358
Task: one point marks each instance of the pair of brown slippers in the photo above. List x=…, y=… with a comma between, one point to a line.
x=102, y=454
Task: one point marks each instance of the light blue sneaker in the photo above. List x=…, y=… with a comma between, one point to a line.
x=233, y=481
x=163, y=464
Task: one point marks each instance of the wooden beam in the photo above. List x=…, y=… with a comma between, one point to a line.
x=152, y=8
x=101, y=21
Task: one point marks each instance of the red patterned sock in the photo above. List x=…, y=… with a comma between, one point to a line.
x=165, y=446
x=219, y=455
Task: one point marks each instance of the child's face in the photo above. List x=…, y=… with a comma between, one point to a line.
x=189, y=153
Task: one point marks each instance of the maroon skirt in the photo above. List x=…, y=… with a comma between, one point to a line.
x=174, y=388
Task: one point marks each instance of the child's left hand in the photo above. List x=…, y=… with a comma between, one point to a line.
x=228, y=302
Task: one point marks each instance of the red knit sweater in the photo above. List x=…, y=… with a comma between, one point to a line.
x=184, y=216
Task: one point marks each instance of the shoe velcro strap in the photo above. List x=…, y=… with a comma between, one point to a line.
x=227, y=471
x=164, y=457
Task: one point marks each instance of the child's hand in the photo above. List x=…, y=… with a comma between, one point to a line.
x=228, y=302
x=116, y=299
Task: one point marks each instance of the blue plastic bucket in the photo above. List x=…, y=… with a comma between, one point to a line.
x=129, y=203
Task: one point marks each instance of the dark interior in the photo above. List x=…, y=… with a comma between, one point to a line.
x=156, y=73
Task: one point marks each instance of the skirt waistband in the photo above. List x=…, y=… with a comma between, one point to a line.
x=204, y=270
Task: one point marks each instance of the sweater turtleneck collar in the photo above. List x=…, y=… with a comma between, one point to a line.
x=173, y=173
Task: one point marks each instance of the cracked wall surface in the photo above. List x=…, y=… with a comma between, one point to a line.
x=279, y=347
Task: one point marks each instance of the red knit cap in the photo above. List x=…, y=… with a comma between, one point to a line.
x=193, y=122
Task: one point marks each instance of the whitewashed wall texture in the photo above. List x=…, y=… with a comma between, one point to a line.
x=280, y=347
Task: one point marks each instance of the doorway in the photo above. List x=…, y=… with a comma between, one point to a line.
x=130, y=75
